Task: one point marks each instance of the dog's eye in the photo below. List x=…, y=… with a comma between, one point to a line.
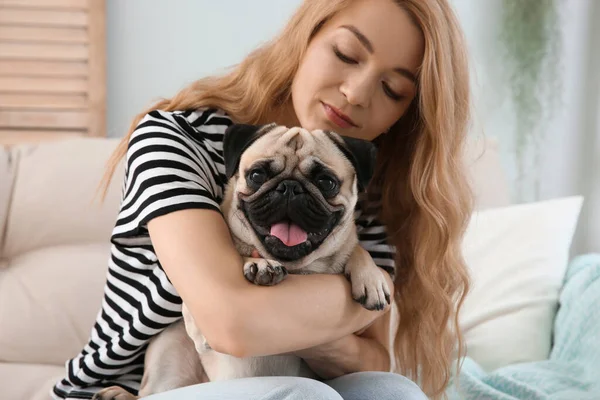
x=257, y=176
x=326, y=183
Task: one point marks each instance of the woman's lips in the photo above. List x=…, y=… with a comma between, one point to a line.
x=337, y=117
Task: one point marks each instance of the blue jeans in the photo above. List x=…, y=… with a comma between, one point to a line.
x=357, y=386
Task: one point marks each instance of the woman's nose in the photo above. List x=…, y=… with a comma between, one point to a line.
x=358, y=89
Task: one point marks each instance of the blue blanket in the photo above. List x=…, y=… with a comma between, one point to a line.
x=572, y=371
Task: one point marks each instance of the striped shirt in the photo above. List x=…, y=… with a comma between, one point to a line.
x=174, y=161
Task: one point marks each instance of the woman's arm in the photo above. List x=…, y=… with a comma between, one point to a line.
x=237, y=317
x=368, y=351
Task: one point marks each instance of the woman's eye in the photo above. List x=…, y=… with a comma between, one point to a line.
x=343, y=57
x=390, y=93
x=326, y=184
x=257, y=176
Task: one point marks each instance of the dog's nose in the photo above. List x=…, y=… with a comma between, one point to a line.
x=290, y=188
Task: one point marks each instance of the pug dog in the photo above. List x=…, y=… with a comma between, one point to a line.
x=291, y=196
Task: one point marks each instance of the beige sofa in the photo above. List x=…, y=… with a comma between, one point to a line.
x=54, y=248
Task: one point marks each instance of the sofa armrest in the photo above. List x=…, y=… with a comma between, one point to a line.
x=52, y=201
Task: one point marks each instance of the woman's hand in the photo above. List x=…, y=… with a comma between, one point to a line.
x=365, y=350
x=351, y=353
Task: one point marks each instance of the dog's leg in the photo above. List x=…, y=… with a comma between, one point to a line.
x=171, y=362
x=369, y=286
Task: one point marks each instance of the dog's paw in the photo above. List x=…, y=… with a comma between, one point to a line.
x=114, y=393
x=369, y=287
x=264, y=272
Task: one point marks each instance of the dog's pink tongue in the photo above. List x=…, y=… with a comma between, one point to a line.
x=290, y=234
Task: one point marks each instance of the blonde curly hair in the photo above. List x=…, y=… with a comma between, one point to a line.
x=427, y=200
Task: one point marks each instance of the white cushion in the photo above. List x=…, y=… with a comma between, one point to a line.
x=50, y=298
x=518, y=257
x=53, y=199
x=28, y=381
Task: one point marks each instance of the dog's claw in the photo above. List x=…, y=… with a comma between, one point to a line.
x=114, y=393
x=264, y=272
x=369, y=288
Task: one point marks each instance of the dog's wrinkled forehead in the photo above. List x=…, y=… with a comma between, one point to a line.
x=296, y=147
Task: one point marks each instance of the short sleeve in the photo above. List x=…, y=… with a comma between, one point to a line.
x=170, y=166
x=372, y=235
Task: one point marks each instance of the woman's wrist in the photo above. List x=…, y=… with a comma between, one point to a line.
x=349, y=354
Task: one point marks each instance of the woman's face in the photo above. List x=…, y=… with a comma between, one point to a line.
x=357, y=76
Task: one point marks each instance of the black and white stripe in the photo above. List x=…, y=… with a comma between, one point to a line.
x=372, y=233
x=174, y=161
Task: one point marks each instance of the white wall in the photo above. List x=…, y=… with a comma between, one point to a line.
x=589, y=172
x=493, y=110
x=569, y=152
x=156, y=47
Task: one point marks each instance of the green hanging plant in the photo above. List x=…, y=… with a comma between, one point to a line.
x=530, y=35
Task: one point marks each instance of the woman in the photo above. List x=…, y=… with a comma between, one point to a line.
x=390, y=71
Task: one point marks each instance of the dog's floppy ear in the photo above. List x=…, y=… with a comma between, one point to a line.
x=364, y=157
x=238, y=137
x=361, y=153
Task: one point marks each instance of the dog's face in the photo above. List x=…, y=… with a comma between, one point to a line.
x=292, y=192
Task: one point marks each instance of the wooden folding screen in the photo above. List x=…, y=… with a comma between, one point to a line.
x=52, y=69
